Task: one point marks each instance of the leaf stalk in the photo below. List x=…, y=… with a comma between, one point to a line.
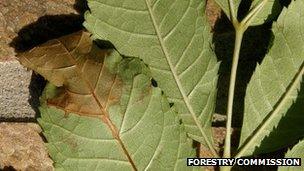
x=232, y=13
x=238, y=41
x=240, y=28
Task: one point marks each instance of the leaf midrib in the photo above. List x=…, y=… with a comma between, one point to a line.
x=105, y=117
x=174, y=73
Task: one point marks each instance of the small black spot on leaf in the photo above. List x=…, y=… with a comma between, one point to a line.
x=180, y=121
x=154, y=83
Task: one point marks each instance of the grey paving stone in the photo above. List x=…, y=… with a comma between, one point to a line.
x=16, y=99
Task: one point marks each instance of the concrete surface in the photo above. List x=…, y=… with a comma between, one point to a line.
x=15, y=94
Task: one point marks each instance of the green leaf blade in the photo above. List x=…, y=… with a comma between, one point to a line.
x=102, y=113
x=285, y=133
x=224, y=4
x=174, y=39
x=276, y=81
x=269, y=12
x=296, y=152
x=77, y=143
x=77, y=151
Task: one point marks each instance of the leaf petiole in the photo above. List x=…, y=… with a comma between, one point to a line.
x=240, y=28
x=238, y=41
x=232, y=13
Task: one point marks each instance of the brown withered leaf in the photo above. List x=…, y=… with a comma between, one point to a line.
x=75, y=64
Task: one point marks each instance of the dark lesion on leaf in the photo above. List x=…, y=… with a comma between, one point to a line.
x=180, y=120
x=104, y=44
x=80, y=70
x=154, y=83
x=171, y=105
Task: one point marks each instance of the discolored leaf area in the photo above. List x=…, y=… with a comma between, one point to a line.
x=175, y=40
x=275, y=86
x=269, y=11
x=100, y=112
x=76, y=65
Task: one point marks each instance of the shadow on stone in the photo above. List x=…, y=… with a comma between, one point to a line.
x=9, y=168
x=46, y=28
x=81, y=6
x=49, y=27
x=36, y=88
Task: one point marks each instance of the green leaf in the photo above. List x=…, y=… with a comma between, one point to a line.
x=174, y=39
x=289, y=130
x=296, y=152
x=105, y=115
x=224, y=4
x=269, y=12
x=274, y=85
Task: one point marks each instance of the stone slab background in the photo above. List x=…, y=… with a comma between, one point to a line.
x=22, y=148
x=24, y=24
x=15, y=95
